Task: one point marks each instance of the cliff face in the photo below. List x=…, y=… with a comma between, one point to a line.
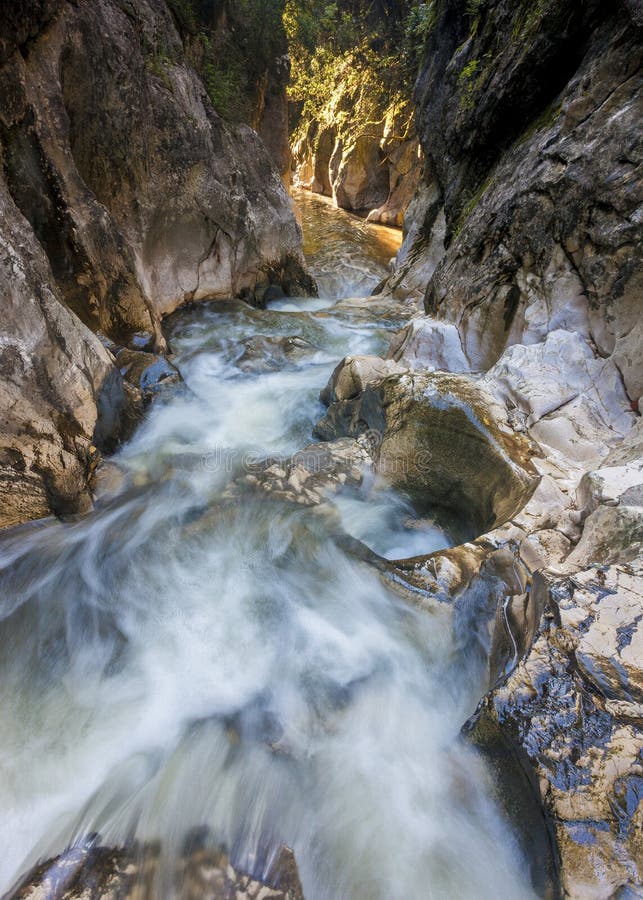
x=132, y=195
x=527, y=116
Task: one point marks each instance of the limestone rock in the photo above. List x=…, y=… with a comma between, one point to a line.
x=152, y=217
x=312, y=474
x=530, y=135
x=404, y=170
x=426, y=344
x=108, y=873
x=438, y=440
x=148, y=372
x=353, y=375
x=570, y=712
x=60, y=394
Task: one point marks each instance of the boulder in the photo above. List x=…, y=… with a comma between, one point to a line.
x=438, y=440
x=353, y=375
x=203, y=872
x=262, y=353
x=150, y=373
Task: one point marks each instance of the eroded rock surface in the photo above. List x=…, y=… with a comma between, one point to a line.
x=437, y=439
x=124, y=195
x=61, y=396
x=571, y=710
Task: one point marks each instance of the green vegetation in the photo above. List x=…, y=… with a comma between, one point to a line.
x=232, y=43
x=354, y=62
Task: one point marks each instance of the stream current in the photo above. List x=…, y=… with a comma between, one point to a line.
x=171, y=661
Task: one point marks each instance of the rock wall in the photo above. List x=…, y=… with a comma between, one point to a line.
x=126, y=195
x=373, y=169
x=523, y=251
x=528, y=221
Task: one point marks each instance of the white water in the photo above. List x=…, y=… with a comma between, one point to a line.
x=171, y=660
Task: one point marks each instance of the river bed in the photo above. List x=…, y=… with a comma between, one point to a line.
x=173, y=661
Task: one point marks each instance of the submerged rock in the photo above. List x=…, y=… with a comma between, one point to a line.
x=262, y=353
x=148, y=372
x=108, y=874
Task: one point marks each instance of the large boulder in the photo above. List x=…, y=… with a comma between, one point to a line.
x=437, y=440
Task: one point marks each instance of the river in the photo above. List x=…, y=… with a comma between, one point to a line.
x=172, y=660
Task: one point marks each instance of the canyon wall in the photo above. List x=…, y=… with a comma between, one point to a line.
x=125, y=195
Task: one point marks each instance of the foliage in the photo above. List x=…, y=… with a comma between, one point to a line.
x=418, y=26
x=353, y=61
x=232, y=44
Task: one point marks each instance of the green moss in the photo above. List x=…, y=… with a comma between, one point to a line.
x=468, y=83
x=531, y=15
x=471, y=204
x=157, y=63
x=545, y=120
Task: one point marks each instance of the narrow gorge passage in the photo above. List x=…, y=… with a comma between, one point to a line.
x=176, y=660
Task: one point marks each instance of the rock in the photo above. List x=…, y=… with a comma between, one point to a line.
x=311, y=475
x=60, y=394
x=324, y=145
x=202, y=872
x=429, y=345
x=610, y=534
x=530, y=377
x=422, y=249
x=540, y=204
x=374, y=170
x=353, y=375
x=123, y=224
x=438, y=441
x=361, y=180
x=404, y=170
x=189, y=207
x=148, y=372
x=570, y=712
x=262, y=353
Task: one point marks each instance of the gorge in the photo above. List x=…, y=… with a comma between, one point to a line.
x=320, y=560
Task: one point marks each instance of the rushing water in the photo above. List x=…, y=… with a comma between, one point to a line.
x=175, y=660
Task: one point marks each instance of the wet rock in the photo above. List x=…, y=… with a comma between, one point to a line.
x=108, y=873
x=438, y=440
x=570, y=711
x=353, y=374
x=147, y=372
x=262, y=353
x=311, y=475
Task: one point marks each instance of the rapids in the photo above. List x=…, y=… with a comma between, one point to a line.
x=172, y=661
